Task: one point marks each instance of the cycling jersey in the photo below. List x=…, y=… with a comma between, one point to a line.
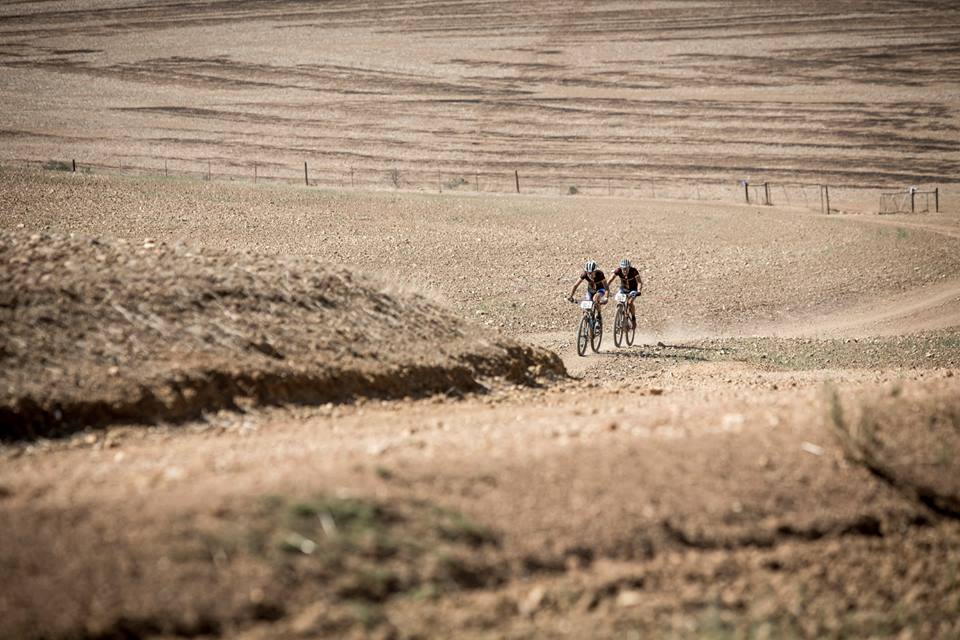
x=629, y=280
x=594, y=281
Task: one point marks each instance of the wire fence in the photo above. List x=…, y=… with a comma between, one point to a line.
x=825, y=198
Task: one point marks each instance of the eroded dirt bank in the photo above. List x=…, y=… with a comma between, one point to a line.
x=98, y=330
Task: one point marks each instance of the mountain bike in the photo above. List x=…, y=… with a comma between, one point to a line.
x=623, y=326
x=590, y=329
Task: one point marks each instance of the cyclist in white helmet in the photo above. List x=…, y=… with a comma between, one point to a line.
x=630, y=284
x=596, y=284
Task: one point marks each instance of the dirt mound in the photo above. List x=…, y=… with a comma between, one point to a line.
x=99, y=330
x=909, y=438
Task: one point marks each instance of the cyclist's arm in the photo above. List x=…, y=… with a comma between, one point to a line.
x=639, y=285
x=575, y=287
x=603, y=285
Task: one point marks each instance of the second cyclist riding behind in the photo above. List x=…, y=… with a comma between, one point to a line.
x=631, y=285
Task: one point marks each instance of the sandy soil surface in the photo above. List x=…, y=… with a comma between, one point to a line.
x=782, y=466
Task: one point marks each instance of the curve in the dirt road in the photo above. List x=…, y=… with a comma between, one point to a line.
x=930, y=308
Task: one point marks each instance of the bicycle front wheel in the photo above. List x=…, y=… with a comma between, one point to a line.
x=597, y=336
x=630, y=331
x=583, y=336
x=618, y=326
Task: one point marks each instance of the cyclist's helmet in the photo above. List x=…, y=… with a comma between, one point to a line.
x=590, y=267
x=625, y=264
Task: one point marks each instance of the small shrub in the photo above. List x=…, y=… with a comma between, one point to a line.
x=454, y=183
x=58, y=165
x=573, y=190
x=395, y=178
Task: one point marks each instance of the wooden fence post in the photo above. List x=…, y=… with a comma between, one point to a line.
x=936, y=199
x=913, y=195
x=306, y=179
x=208, y=171
x=826, y=194
x=164, y=167
x=746, y=190
x=439, y=183
x=74, y=165
x=516, y=175
x=766, y=193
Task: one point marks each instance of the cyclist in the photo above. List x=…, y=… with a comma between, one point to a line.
x=630, y=284
x=596, y=284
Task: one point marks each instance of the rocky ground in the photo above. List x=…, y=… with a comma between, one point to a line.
x=779, y=467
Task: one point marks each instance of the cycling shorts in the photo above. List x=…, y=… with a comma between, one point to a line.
x=632, y=293
x=591, y=293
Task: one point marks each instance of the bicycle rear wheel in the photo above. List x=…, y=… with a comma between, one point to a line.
x=597, y=336
x=583, y=336
x=618, y=326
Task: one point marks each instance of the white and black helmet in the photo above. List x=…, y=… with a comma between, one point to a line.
x=590, y=267
x=625, y=264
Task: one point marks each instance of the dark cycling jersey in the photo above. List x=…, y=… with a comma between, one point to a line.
x=594, y=281
x=630, y=280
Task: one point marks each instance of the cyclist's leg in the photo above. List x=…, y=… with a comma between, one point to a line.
x=631, y=298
